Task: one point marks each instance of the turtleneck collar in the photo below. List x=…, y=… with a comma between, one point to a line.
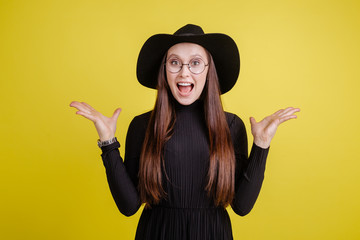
x=197, y=106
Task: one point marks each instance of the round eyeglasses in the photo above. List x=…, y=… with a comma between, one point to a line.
x=195, y=65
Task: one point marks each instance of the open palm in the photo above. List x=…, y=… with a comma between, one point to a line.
x=105, y=126
x=265, y=130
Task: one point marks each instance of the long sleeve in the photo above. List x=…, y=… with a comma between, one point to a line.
x=249, y=172
x=122, y=176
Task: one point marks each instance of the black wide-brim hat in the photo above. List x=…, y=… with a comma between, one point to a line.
x=222, y=48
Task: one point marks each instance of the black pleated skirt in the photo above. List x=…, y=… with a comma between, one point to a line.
x=166, y=223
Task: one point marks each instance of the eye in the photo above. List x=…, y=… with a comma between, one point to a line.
x=174, y=62
x=195, y=62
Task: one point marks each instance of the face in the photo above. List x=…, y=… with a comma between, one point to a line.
x=185, y=86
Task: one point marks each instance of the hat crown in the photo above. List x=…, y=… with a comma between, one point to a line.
x=189, y=29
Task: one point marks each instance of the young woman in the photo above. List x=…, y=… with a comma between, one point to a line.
x=187, y=159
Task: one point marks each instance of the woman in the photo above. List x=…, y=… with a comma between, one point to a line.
x=187, y=160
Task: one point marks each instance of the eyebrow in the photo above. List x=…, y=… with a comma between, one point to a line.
x=191, y=56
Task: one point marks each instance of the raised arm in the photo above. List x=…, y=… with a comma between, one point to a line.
x=122, y=179
x=122, y=176
x=249, y=173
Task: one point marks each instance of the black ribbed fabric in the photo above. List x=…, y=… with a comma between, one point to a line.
x=187, y=212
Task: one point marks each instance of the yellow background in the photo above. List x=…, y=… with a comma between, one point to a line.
x=293, y=53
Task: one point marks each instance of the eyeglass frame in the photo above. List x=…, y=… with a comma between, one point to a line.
x=188, y=65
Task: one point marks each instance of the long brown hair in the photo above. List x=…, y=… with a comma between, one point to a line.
x=221, y=172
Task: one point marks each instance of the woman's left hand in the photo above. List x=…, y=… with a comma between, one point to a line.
x=264, y=130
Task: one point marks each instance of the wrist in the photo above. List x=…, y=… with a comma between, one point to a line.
x=106, y=138
x=106, y=142
x=261, y=143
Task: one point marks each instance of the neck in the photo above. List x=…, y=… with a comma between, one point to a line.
x=197, y=105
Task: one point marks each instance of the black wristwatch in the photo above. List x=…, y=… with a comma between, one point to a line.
x=106, y=142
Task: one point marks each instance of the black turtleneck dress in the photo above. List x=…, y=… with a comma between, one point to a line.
x=187, y=213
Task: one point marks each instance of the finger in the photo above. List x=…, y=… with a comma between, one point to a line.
x=80, y=107
x=290, y=112
x=90, y=107
x=116, y=113
x=286, y=110
x=86, y=115
x=278, y=112
x=286, y=118
x=74, y=104
x=252, y=121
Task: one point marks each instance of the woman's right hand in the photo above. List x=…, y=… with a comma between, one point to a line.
x=105, y=126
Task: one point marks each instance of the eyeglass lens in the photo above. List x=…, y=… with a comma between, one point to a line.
x=195, y=65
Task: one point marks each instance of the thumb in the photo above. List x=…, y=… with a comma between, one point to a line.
x=116, y=113
x=252, y=121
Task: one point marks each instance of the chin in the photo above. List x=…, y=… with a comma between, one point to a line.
x=185, y=101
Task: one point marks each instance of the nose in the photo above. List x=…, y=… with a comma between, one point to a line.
x=185, y=71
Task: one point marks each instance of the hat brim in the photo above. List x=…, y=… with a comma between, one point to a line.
x=222, y=48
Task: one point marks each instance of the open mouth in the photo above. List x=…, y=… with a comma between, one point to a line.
x=185, y=88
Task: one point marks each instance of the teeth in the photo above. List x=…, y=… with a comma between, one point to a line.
x=184, y=84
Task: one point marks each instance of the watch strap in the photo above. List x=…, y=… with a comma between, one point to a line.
x=106, y=142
